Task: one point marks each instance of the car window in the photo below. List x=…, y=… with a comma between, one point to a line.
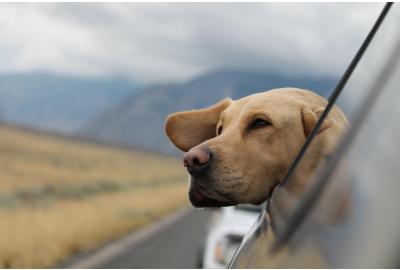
x=363, y=183
x=361, y=232
x=288, y=195
x=368, y=71
x=366, y=168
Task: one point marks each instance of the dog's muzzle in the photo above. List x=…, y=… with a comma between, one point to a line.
x=201, y=196
x=198, y=162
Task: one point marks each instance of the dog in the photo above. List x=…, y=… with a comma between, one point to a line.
x=239, y=150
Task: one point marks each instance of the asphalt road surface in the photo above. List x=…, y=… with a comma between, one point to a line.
x=173, y=244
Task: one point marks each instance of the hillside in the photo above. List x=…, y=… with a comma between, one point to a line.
x=139, y=118
x=55, y=102
x=60, y=196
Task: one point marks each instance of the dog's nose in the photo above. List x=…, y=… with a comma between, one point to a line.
x=197, y=160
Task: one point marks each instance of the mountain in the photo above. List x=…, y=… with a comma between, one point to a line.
x=139, y=119
x=57, y=103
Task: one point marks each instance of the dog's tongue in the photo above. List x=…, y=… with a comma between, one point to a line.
x=198, y=196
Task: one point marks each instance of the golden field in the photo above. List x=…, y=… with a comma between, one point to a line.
x=60, y=196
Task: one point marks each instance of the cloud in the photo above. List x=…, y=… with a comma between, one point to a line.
x=158, y=41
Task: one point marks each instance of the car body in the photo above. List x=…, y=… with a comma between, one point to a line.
x=364, y=234
x=225, y=232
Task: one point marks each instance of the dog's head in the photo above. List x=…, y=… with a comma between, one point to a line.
x=237, y=151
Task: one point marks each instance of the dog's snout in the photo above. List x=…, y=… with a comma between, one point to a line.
x=197, y=160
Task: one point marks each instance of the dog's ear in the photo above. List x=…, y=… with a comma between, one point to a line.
x=190, y=128
x=310, y=117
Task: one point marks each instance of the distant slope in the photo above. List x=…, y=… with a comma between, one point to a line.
x=56, y=102
x=139, y=118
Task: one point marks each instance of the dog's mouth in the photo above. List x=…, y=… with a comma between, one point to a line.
x=202, y=197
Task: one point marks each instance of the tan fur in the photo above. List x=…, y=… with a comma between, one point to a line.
x=179, y=126
x=248, y=163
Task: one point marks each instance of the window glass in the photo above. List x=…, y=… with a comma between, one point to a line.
x=356, y=222
x=365, y=74
x=328, y=237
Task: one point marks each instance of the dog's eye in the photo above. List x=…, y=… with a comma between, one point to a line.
x=219, y=131
x=258, y=123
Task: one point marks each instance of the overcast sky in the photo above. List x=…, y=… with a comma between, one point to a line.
x=167, y=42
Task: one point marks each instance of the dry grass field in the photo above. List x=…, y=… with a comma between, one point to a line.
x=61, y=196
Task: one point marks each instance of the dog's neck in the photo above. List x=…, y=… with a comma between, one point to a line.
x=284, y=201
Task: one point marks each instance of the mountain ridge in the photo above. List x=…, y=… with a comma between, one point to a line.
x=139, y=118
x=57, y=102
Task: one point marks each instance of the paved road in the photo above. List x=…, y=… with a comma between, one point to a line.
x=175, y=244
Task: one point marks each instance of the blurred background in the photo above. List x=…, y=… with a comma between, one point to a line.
x=84, y=92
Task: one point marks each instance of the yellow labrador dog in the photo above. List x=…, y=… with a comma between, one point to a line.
x=237, y=151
